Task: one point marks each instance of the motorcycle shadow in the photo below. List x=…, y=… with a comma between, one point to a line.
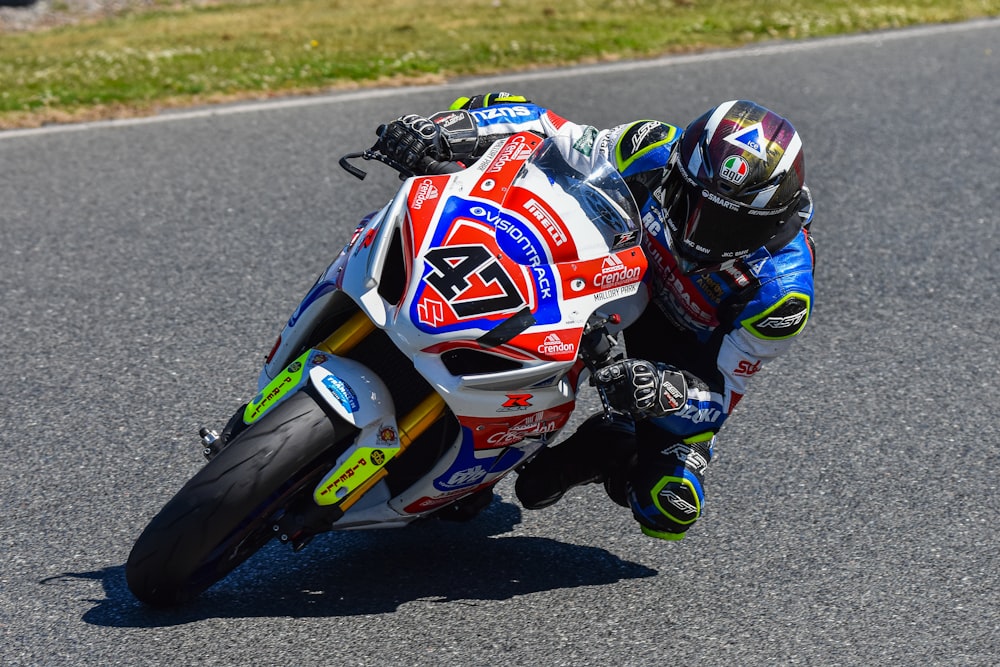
x=373, y=572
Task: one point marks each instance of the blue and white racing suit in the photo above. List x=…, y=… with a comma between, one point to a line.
x=720, y=327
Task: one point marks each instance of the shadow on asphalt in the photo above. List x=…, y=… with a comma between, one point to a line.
x=373, y=572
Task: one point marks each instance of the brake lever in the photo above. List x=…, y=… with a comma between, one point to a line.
x=595, y=350
x=372, y=154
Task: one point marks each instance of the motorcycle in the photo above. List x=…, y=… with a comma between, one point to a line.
x=438, y=352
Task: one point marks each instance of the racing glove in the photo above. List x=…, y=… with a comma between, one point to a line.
x=413, y=141
x=642, y=388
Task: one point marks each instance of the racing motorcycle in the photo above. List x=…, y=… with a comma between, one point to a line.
x=439, y=351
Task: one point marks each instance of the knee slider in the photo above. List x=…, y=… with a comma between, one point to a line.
x=666, y=490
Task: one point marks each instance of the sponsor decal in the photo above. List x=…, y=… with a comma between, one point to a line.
x=756, y=266
x=425, y=191
x=652, y=221
x=361, y=466
x=367, y=241
x=698, y=415
x=711, y=287
x=585, y=144
x=516, y=150
x=716, y=199
x=687, y=455
x=530, y=426
x=274, y=392
x=553, y=345
x=342, y=392
x=494, y=114
x=734, y=169
x=344, y=476
x=746, y=368
x=614, y=273
x=750, y=139
x=387, y=434
x=521, y=247
x=624, y=239
x=641, y=134
x=472, y=475
x=431, y=312
x=617, y=292
x=516, y=403
x=548, y=222
x=678, y=502
x=783, y=320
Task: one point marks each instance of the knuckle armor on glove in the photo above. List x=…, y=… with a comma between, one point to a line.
x=642, y=388
x=666, y=488
x=411, y=139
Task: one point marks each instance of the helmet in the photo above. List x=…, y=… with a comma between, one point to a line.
x=733, y=183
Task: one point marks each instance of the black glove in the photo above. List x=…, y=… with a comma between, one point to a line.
x=413, y=141
x=641, y=388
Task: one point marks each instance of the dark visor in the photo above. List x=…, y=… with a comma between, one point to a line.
x=708, y=228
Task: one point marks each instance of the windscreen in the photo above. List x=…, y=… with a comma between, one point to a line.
x=595, y=198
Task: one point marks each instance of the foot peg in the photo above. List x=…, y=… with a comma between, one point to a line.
x=210, y=442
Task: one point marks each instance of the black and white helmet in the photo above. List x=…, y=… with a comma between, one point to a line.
x=733, y=183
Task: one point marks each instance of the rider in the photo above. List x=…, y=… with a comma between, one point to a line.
x=726, y=214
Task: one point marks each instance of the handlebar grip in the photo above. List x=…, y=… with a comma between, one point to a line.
x=433, y=167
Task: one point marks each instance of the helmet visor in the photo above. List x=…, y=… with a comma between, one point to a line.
x=708, y=228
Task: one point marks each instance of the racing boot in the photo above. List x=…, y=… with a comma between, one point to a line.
x=597, y=451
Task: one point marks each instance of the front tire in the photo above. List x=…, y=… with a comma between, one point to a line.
x=224, y=514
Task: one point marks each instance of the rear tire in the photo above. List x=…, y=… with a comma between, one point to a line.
x=225, y=513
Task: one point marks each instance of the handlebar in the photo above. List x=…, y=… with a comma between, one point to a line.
x=428, y=166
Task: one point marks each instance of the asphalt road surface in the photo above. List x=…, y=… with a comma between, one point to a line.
x=853, y=505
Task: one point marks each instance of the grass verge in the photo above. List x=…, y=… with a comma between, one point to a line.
x=194, y=52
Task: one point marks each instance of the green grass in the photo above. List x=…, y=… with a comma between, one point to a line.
x=184, y=53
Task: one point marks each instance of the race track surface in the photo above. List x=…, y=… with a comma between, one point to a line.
x=853, y=505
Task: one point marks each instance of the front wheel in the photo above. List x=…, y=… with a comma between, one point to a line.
x=225, y=513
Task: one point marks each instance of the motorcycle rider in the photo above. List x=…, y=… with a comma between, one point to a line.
x=726, y=214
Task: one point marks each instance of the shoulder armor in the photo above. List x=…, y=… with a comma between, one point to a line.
x=782, y=320
x=639, y=139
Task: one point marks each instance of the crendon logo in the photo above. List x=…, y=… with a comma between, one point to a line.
x=425, y=192
x=555, y=345
x=735, y=169
x=615, y=273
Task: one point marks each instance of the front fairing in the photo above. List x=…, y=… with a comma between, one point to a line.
x=485, y=279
